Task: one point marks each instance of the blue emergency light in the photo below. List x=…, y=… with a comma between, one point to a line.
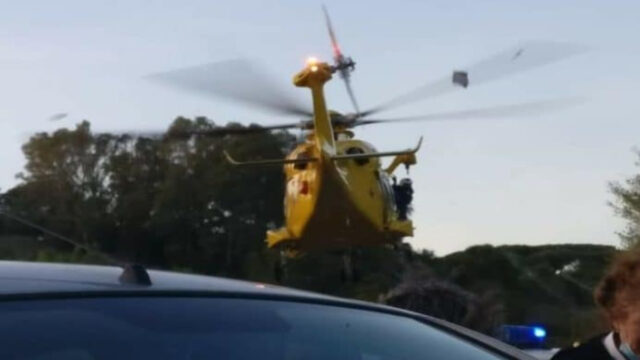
x=539, y=332
x=523, y=336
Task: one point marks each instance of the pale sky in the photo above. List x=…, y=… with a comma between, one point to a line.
x=533, y=180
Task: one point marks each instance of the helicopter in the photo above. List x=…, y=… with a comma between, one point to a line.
x=338, y=194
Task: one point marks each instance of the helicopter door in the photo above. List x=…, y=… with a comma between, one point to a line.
x=387, y=194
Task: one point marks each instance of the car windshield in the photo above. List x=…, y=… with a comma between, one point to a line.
x=217, y=328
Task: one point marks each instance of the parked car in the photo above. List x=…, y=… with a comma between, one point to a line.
x=61, y=311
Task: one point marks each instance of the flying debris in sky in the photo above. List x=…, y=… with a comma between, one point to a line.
x=58, y=117
x=517, y=54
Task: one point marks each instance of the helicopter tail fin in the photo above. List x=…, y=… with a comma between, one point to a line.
x=379, y=154
x=234, y=162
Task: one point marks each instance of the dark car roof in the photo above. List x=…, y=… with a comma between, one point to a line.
x=29, y=280
x=23, y=278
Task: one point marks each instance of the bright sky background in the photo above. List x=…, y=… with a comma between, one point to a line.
x=515, y=181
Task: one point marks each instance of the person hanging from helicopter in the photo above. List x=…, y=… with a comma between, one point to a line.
x=403, y=193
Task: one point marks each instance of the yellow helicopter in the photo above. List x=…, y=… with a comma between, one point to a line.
x=338, y=195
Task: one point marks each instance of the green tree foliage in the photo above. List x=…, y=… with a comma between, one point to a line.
x=627, y=205
x=154, y=199
x=550, y=284
x=377, y=269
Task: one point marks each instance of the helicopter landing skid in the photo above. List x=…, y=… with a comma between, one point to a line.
x=278, y=238
x=349, y=272
x=401, y=228
x=286, y=252
x=280, y=268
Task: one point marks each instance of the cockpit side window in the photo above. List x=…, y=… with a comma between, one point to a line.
x=357, y=150
x=301, y=165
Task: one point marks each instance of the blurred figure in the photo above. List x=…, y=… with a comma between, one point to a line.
x=618, y=294
x=403, y=196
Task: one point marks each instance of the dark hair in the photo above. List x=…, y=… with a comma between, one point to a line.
x=620, y=287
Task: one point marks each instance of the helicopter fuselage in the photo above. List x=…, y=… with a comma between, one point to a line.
x=340, y=197
x=338, y=203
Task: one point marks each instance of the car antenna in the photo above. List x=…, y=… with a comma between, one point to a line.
x=133, y=274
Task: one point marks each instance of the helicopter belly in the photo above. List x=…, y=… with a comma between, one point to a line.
x=338, y=221
x=341, y=208
x=360, y=221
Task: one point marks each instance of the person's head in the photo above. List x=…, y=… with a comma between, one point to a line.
x=619, y=296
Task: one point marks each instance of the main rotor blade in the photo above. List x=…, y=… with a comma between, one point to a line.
x=220, y=132
x=181, y=134
x=522, y=109
x=352, y=96
x=337, y=54
x=239, y=80
x=515, y=60
x=343, y=65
